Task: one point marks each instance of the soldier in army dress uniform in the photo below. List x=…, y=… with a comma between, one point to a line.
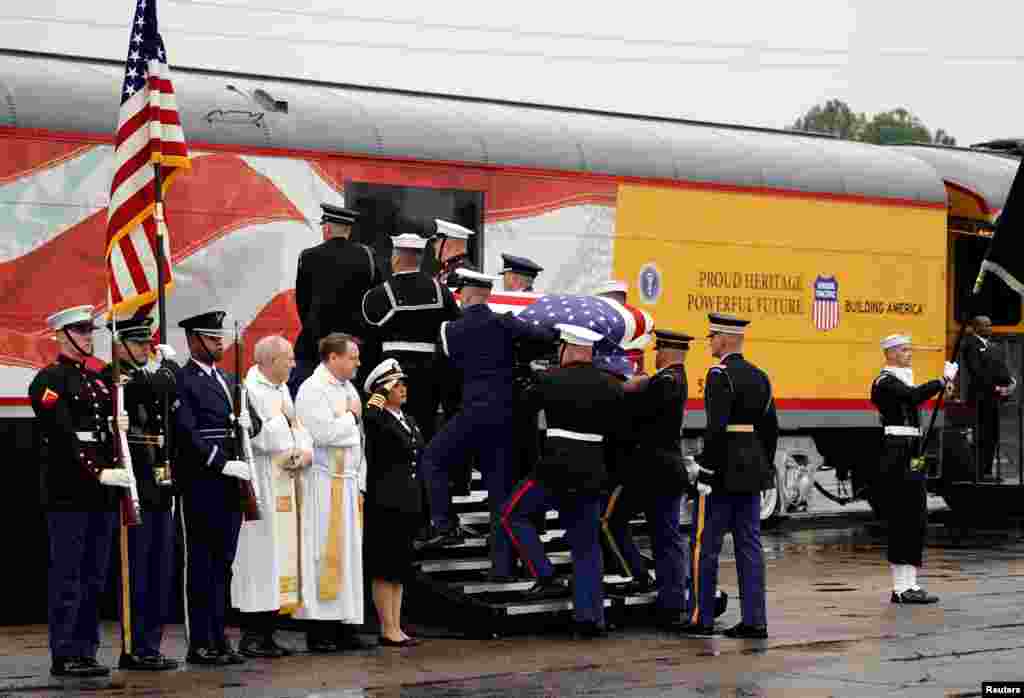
x=80, y=491
x=739, y=452
x=901, y=470
x=149, y=389
x=329, y=287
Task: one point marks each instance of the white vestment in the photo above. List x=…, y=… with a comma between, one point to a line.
x=337, y=458
x=265, y=571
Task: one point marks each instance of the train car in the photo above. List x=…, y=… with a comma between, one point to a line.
x=825, y=244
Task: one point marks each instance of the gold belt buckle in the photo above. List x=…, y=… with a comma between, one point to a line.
x=917, y=464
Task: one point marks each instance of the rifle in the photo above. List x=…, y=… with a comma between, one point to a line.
x=251, y=504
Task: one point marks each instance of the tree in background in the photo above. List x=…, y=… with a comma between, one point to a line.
x=835, y=117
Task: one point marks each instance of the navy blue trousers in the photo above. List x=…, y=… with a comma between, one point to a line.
x=151, y=569
x=488, y=436
x=579, y=513
x=79, y=559
x=667, y=542
x=715, y=515
x=211, y=536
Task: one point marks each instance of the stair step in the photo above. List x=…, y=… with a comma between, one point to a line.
x=519, y=608
x=503, y=587
x=551, y=535
x=484, y=517
x=563, y=557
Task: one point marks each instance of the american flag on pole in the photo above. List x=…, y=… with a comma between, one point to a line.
x=149, y=134
x=826, y=303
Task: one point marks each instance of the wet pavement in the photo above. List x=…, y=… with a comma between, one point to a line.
x=832, y=633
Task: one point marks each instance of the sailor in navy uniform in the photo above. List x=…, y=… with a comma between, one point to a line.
x=901, y=469
x=655, y=478
x=404, y=315
x=581, y=409
x=519, y=273
x=81, y=489
x=481, y=345
x=148, y=392
x=739, y=451
x=209, y=470
x=329, y=287
x=451, y=248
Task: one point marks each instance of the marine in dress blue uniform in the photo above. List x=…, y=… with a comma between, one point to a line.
x=481, y=344
x=149, y=386
x=208, y=471
x=330, y=282
x=739, y=450
x=582, y=408
x=80, y=490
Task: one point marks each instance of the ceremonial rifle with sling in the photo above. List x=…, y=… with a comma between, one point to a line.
x=131, y=513
x=251, y=504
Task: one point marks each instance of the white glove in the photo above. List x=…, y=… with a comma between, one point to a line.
x=950, y=371
x=121, y=422
x=237, y=468
x=703, y=490
x=244, y=420
x=164, y=351
x=116, y=477
x=692, y=469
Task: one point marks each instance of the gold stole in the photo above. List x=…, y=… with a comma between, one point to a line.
x=287, y=523
x=331, y=572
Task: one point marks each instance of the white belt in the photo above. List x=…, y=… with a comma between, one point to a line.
x=425, y=347
x=576, y=435
x=902, y=431
x=86, y=436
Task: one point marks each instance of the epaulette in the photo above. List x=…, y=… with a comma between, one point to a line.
x=720, y=367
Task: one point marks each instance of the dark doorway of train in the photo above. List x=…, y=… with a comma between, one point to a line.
x=394, y=209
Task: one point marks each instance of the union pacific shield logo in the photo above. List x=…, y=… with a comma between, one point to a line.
x=825, y=308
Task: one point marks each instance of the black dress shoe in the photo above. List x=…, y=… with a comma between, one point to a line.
x=229, y=655
x=694, y=630
x=748, y=632
x=721, y=603
x=443, y=538
x=321, y=646
x=914, y=596
x=545, y=588
x=78, y=668
x=206, y=656
x=351, y=641
x=257, y=648
x=270, y=641
x=671, y=622
x=146, y=662
x=588, y=630
x=408, y=642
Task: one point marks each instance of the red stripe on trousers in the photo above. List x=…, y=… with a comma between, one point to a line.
x=512, y=502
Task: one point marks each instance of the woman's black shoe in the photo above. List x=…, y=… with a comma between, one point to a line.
x=321, y=646
x=408, y=642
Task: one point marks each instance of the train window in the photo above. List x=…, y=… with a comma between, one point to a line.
x=388, y=210
x=1001, y=304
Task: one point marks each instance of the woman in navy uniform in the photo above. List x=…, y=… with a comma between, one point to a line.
x=582, y=408
x=209, y=473
x=901, y=470
x=150, y=384
x=739, y=451
x=329, y=285
x=393, y=447
x=80, y=491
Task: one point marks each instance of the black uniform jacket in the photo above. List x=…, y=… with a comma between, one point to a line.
x=205, y=437
x=898, y=405
x=72, y=406
x=986, y=369
x=392, y=452
x=580, y=399
x=329, y=287
x=144, y=396
x=409, y=307
x=738, y=395
x=658, y=413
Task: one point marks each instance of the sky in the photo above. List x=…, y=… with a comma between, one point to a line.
x=957, y=67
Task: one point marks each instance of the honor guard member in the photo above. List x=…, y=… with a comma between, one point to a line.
x=739, y=450
x=451, y=248
x=614, y=289
x=80, y=491
x=404, y=314
x=655, y=478
x=902, y=469
x=581, y=409
x=481, y=344
x=148, y=392
x=329, y=287
x=210, y=468
x=519, y=273
x=988, y=383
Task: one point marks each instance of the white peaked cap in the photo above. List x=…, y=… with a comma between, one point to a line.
x=388, y=369
x=408, y=241
x=472, y=277
x=614, y=286
x=580, y=336
x=895, y=340
x=452, y=230
x=77, y=315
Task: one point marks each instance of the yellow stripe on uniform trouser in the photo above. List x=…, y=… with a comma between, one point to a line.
x=609, y=510
x=698, y=528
